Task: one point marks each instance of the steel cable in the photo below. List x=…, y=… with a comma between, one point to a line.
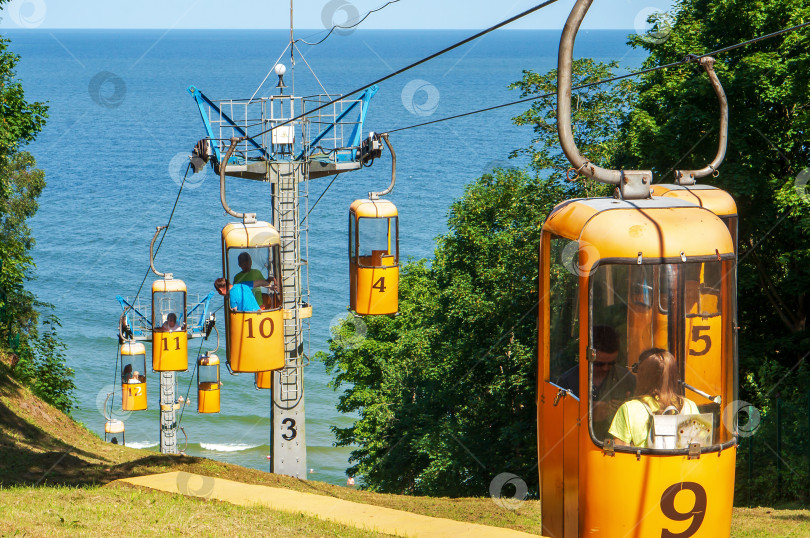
x=344, y=27
x=687, y=59
x=115, y=379
x=408, y=67
x=188, y=391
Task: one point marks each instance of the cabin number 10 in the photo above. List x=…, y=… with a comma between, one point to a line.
x=265, y=328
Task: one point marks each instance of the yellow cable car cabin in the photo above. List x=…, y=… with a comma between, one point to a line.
x=133, y=376
x=374, y=257
x=648, y=279
x=715, y=200
x=263, y=380
x=208, y=384
x=169, y=337
x=254, y=326
x=113, y=427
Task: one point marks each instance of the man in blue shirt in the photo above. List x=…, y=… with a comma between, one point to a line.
x=241, y=298
x=248, y=274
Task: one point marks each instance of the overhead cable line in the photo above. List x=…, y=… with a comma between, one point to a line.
x=344, y=27
x=115, y=380
x=408, y=67
x=165, y=231
x=687, y=59
x=757, y=39
x=470, y=113
x=319, y=197
x=268, y=74
x=177, y=199
x=191, y=379
x=293, y=42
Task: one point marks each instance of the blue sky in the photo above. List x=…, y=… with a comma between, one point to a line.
x=316, y=14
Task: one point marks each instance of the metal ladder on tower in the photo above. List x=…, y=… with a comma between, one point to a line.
x=168, y=416
x=289, y=447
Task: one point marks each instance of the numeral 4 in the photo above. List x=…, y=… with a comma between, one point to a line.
x=380, y=284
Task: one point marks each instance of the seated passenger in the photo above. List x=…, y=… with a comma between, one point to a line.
x=136, y=378
x=241, y=298
x=613, y=383
x=657, y=389
x=171, y=323
x=248, y=274
x=271, y=297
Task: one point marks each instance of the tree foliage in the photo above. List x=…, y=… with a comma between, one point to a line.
x=41, y=358
x=446, y=390
x=675, y=124
x=767, y=87
x=20, y=120
x=25, y=183
x=42, y=367
x=20, y=186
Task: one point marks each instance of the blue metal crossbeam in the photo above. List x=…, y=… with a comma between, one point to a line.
x=357, y=132
x=202, y=100
x=198, y=328
x=133, y=311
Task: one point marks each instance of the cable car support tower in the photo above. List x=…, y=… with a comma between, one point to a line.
x=275, y=139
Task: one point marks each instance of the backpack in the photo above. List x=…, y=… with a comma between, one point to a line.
x=671, y=430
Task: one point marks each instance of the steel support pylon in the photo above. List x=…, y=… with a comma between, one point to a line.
x=289, y=448
x=168, y=416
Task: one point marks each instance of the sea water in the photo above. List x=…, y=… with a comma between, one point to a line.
x=121, y=126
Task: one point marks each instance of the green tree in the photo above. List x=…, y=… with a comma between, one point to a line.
x=767, y=87
x=42, y=367
x=21, y=120
x=41, y=359
x=25, y=183
x=598, y=113
x=445, y=391
x=20, y=186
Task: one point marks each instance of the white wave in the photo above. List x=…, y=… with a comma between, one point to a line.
x=142, y=444
x=232, y=447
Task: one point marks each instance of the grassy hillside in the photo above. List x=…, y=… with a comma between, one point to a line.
x=40, y=446
x=100, y=511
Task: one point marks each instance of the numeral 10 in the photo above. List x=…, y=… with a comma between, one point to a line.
x=265, y=328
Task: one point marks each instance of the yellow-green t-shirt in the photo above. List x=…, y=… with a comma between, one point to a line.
x=632, y=421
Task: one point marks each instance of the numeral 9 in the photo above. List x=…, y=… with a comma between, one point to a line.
x=696, y=514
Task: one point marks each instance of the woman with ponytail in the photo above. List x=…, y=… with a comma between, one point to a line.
x=657, y=391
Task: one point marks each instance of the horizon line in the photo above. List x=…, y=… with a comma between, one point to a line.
x=314, y=30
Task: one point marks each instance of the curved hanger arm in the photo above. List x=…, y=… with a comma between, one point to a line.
x=107, y=399
x=688, y=177
x=375, y=195
x=247, y=217
x=152, y=256
x=216, y=348
x=633, y=184
x=124, y=332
